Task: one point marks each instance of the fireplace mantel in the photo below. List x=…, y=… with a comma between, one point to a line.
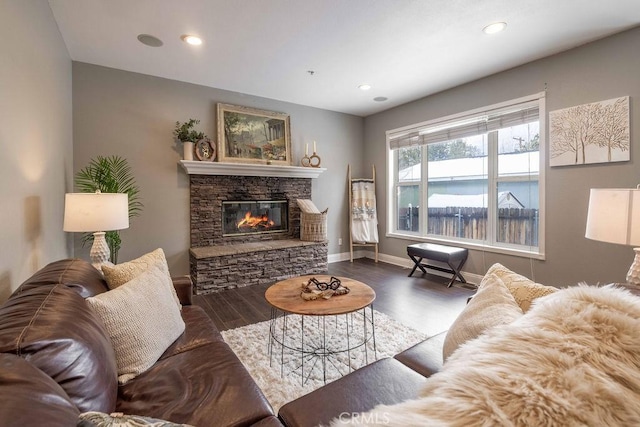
x=246, y=169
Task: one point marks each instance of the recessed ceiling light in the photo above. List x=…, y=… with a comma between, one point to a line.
x=380, y=98
x=149, y=40
x=364, y=86
x=193, y=40
x=496, y=27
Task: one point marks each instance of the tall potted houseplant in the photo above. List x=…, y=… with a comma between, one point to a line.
x=186, y=133
x=110, y=174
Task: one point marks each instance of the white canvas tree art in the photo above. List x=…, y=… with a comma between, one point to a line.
x=590, y=133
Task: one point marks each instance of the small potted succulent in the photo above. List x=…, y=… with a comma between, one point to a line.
x=186, y=133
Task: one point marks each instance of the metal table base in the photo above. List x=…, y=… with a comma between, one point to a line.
x=301, y=352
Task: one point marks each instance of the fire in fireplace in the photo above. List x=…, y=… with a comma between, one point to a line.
x=254, y=216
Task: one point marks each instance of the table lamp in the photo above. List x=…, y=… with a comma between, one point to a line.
x=96, y=212
x=614, y=217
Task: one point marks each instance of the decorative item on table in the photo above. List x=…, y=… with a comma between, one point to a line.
x=110, y=174
x=315, y=289
x=88, y=212
x=614, y=217
x=251, y=135
x=185, y=133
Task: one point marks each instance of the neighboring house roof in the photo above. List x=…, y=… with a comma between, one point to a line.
x=475, y=167
x=506, y=199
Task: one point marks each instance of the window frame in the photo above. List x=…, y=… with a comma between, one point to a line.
x=490, y=244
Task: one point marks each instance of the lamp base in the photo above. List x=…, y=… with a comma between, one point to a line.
x=100, y=252
x=633, y=276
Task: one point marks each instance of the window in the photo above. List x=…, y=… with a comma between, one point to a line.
x=474, y=179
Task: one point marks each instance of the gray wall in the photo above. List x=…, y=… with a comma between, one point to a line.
x=133, y=115
x=601, y=70
x=35, y=139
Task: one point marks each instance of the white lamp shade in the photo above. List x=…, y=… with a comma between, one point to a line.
x=89, y=212
x=614, y=216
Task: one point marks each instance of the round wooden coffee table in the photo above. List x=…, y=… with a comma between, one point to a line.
x=292, y=332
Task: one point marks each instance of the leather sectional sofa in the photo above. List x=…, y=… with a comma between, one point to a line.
x=56, y=361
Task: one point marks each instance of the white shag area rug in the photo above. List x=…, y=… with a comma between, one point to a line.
x=284, y=382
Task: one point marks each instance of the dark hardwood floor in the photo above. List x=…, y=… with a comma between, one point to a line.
x=422, y=302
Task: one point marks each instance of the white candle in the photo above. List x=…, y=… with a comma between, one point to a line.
x=314, y=147
x=306, y=149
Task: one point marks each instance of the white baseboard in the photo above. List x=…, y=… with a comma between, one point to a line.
x=346, y=256
x=471, y=278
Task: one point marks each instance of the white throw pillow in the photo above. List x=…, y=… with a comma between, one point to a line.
x=119, y=274
x=491, y=306
x=523, y=289
x=307, y=206
x=142, y=320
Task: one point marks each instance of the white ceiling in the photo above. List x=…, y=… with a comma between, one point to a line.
x=405, y=49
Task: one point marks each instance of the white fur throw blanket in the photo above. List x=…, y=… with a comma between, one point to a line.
x=572, y=360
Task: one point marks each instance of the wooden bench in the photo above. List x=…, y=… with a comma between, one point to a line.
x=452, y=256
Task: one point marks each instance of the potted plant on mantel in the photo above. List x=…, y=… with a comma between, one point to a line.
x=186, y=133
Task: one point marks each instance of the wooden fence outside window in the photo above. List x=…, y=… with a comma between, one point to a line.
x=515, y=226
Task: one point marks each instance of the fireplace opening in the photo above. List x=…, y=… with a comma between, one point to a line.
x=254, y=217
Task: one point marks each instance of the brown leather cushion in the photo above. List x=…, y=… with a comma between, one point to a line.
x=78, y=274
x=198, y=331
x=426, y=357
x=386, y=381
x=30, y=398
x=53, y=328
x=205, y=386
x=270, y=421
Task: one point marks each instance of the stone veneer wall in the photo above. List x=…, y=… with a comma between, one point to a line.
x=209, y=191
x=248, y=259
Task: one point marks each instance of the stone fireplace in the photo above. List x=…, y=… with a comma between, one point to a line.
x=245, y=230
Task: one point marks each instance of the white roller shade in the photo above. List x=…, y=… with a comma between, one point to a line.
x=476, y=124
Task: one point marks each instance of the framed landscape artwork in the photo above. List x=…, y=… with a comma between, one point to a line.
x=250, y=135
x=590, y=133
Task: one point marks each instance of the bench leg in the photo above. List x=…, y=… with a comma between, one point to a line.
x=456, y=272
x=416, y=264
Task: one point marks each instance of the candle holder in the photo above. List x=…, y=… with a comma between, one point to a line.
x=314, y=160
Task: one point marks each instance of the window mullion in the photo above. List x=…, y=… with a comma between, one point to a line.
x=492, y=184
x=396, y=191
x=424, y=192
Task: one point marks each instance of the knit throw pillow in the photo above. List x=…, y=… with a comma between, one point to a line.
x=117, y=419
x=523, y=289
x=142, y=320
x=119, y=274
x=492, y=305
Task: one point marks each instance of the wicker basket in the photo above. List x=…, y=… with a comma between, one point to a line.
x=313, y=226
